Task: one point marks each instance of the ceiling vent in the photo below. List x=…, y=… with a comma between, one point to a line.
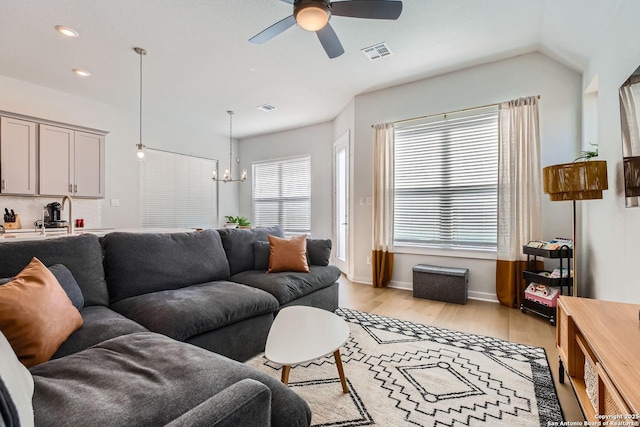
x=377, y=51
x=266, y=107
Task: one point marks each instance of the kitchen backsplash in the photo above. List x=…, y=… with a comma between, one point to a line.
x=30, y=209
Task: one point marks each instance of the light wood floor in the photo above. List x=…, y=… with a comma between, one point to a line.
x=475, y=317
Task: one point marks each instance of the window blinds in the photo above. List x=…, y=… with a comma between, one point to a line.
x=177, y=191
x=446, y=176
x=282, y=194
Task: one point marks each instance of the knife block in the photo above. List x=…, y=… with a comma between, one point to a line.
x=13, y=225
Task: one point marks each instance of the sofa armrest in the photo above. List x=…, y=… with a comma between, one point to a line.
x=245, y=403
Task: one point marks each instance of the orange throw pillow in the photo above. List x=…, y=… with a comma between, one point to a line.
x=36, y=315
x=288, y=255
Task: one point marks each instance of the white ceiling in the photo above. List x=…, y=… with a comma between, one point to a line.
x=200, y=62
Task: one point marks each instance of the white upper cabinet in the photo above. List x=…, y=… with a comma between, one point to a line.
x=89, y=165
x=17, y=156
x=71, y=162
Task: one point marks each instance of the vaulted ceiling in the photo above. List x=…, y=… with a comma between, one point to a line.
x=200, y=62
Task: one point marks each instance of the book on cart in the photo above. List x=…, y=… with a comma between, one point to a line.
x=542, y=294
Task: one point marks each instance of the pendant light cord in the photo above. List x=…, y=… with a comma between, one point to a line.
x=230, y=141
x=142, y=52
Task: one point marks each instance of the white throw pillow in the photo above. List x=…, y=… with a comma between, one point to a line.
x=16, y=384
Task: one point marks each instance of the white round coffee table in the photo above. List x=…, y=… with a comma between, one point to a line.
x=300, y=334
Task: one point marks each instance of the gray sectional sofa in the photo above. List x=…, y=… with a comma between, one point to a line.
x=146, y=297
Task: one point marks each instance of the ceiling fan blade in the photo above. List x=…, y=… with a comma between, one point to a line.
x=288, y=1
x=274, y=30
x=330, y=42
x=371, y=9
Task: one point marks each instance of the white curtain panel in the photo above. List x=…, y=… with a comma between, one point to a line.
x=519, y=177
x=383, y=188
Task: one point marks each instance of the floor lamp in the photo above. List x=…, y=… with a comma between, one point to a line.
x=575, y=181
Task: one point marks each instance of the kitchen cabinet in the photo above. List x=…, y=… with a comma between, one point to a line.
x=71, y=162
x=17, y=156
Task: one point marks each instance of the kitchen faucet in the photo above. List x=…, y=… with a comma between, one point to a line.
x=70, y=228
x=42, y=227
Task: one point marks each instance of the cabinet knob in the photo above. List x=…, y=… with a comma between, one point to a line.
x=75, y=188
x=4, y=184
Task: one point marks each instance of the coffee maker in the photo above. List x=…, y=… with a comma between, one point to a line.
x=53, y=220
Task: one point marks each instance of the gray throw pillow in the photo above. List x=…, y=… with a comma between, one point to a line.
x=5, y=280
x=261, y=253
x=69, y=284
x=319, y=251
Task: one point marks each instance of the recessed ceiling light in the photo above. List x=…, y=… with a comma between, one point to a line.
x=81, y=72
x=66, y=31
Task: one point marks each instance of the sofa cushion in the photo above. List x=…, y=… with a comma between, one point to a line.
x=82, y=255
x=238, y=244
x=319, y=251
x=141, y=263
x=261, y=252
x=288, y=286
x=66, y=280
x=288, y=254
x=190, y=311
x=16, y=388
x=69, y=284
x=145, y=379
x=36, y=315
x=99, y=324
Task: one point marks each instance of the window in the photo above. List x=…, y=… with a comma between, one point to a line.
x=446, y=181
x=176, y=190
x=282, y=194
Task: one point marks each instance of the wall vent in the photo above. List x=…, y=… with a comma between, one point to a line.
x=266, y=107
x=377, y=51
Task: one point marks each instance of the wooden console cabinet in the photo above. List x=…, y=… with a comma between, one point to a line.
x=599, y=346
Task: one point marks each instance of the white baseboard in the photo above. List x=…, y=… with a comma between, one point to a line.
x=361, y=279
x=407, y=286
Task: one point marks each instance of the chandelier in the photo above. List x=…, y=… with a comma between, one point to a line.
x=227, y=173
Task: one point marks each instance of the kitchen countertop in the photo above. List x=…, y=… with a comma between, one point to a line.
x=51, y=233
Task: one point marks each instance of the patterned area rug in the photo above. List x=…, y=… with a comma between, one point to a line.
x=403, y=373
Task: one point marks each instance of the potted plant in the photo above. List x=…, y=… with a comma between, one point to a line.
x=237, y=221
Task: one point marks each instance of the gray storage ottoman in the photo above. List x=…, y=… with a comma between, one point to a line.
x=448, y=284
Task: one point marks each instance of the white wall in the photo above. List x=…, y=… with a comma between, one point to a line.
x=315, y=141
x=533, y=74
x=560, y=133
x=121, y=170
x=611, y=242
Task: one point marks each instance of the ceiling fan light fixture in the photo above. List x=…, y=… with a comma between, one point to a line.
x=312, y=15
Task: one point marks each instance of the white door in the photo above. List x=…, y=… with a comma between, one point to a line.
x=341, y=203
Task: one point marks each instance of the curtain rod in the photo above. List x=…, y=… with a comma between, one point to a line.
x=444, y=114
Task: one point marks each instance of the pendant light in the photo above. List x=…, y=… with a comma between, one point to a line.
x=227, y=173
x=140, y=152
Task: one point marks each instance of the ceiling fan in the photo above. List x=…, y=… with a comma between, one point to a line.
x=314, y=15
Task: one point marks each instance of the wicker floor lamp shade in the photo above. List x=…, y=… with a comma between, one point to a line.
x=575, y=181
